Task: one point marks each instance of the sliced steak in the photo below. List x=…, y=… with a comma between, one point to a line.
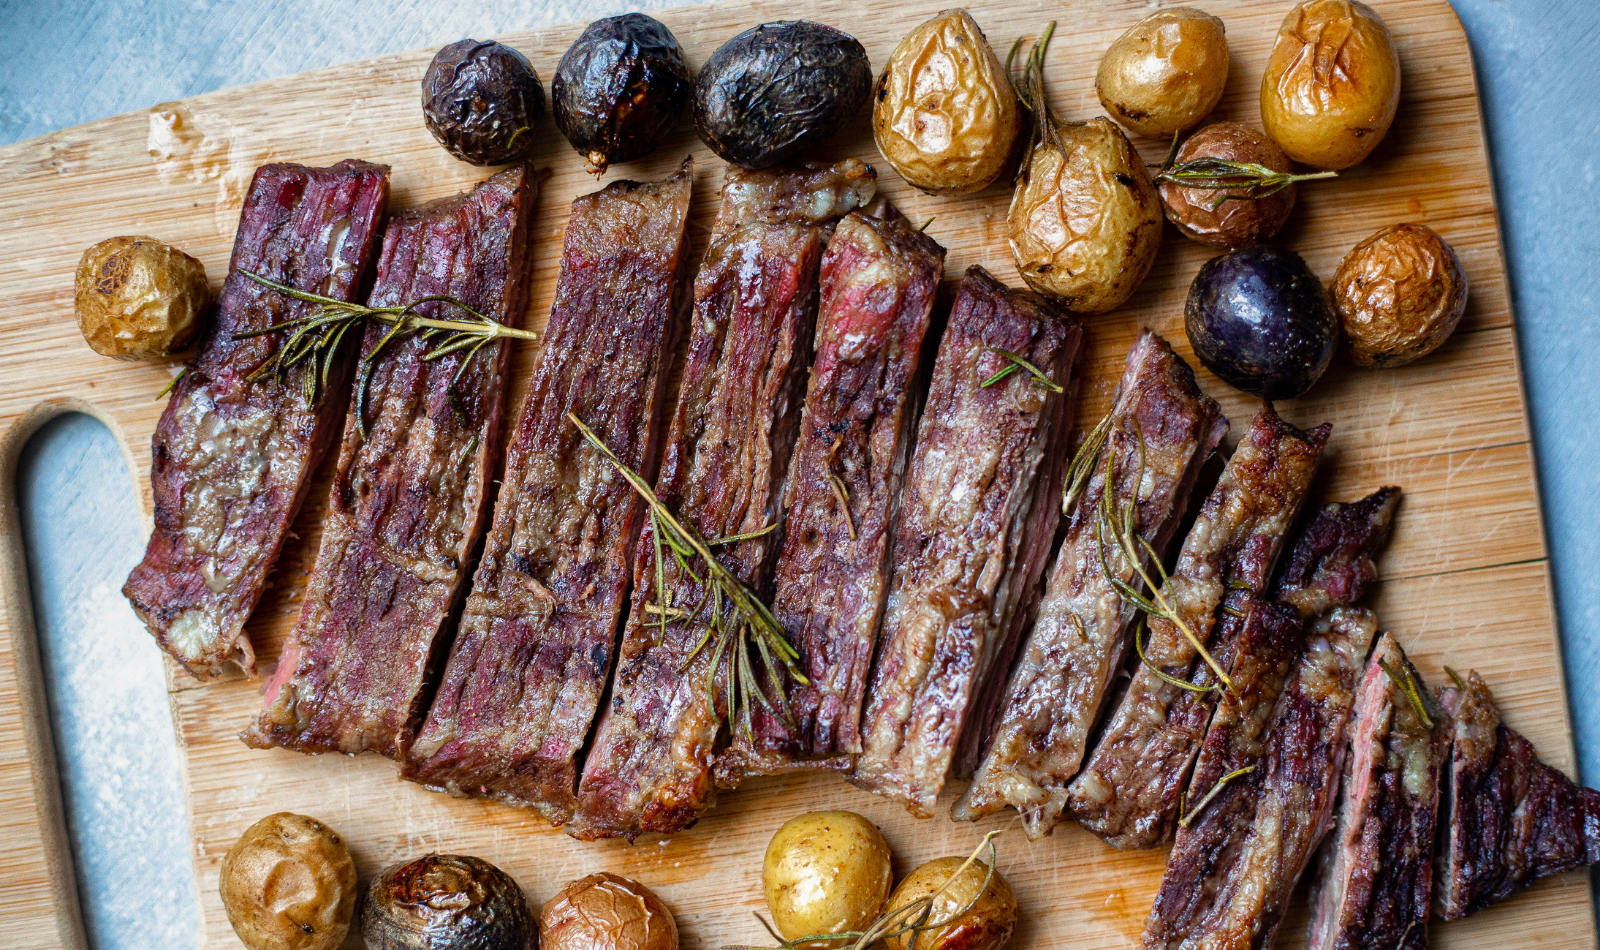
x=1511, y=818
x=977, y=517
x=1128, y=791
x=411, y=492
x=1375, y=879
x=535, y=644
x=1077, y=645
x=722, y=475
x=232, y=459
x=879, y=278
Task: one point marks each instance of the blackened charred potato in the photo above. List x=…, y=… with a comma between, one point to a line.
x=481, y=100
x=779, y=89
x=620, y=89
x=447, y=902
x=288, y=884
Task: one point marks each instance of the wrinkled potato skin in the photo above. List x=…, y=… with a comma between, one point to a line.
x=607, y=912
x=1332, y=83
x=1085, y=221
x=288, y=884
x=986, y=926
x=1232, y=224
x=447, y=902
x=826, y=872
x=140, y=299
x=944, y=114
x=1399, y=295
x=1166, y=73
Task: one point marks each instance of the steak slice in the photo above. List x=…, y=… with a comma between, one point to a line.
x=1128, y=791
x=535, y=643
x=1076, y=648
x=1375, y=879
x=728, y=450
x=232, y=459
x=879, y=278
x=1330, y=568
x=411, y=492
x=977, y=517
x=1511, y=818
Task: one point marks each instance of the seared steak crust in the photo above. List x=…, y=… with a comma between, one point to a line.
x=1512, y=818
x=232, y=458
x=1375, y=879
x=536, y=640
x=410, y=495
x=727, y=452
x=1077, y=645
x=977, y=518
x=1128, y=791
x=879, y=278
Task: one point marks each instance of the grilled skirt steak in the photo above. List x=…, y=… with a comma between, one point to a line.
x=412, y=489
x=1128, y=791
x=1072, y=656
x=879, y=278
x=727, y=452
x=534, y=648
x=1512, y=819
x=233, y=458
x=1375, y=877
x=977, y=517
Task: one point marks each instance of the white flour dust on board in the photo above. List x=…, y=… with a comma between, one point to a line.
x=206, y=147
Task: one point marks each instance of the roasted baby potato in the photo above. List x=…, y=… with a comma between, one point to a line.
x=944, y=113
x=620, y=88
x=288, y=884
x=1166, y=73
x=140, y=299
x=1085, y=221
x=1398, y=295
x=826, y=872
x=779, y=89
x=988, y=921
x=607, y=912
x=481, y=100
x=1259, y=318
x=1226, y=217
x=1332, y=83
x=447, y=902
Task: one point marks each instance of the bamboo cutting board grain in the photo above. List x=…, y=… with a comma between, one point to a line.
x=1465, y=579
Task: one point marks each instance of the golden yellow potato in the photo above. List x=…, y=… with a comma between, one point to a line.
x=139, y=299
x=826, y=872
x=1399, y=295
x=1166, y=73
x=986, y=925
x=288, y=884
x=607, y=912
x=944, y=114
x=1332, y=83
x=1085, y=221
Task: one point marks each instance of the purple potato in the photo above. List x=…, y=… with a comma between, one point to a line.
x=481, y=100
x=1259, y=318
x=620, y=89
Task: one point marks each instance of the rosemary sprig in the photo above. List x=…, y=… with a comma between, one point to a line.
x=1221, y=174
x=1215, y=791
x=1082, y=467
x=912, y=918
x=1460, y=683
x=1122, y=525
x=739, y=620
x=1408, y=685
x=1030, y=92
x=314, y=339
x=841, y=494
x=169, y=387
x=1014, y=362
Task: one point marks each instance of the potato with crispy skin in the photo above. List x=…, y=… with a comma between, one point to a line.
x=607, y=912
x=140, y=299
x=447, y=902
x=826, y=872
x=1166, y=73
x=1233, y=217
x=288, y=884
x=990, y=914
x=1398, y=295
x=1332, y=83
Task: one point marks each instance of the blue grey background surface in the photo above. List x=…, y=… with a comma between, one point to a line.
x=64, y=62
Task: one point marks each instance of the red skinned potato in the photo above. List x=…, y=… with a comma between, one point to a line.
x=1230, y=217
x=607, y=912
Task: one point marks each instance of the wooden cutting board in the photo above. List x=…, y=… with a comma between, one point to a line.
x=1465, y=580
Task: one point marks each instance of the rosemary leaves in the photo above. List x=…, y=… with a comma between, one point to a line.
x=741, y=629
x=1408, y=685
x=1017, y=362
